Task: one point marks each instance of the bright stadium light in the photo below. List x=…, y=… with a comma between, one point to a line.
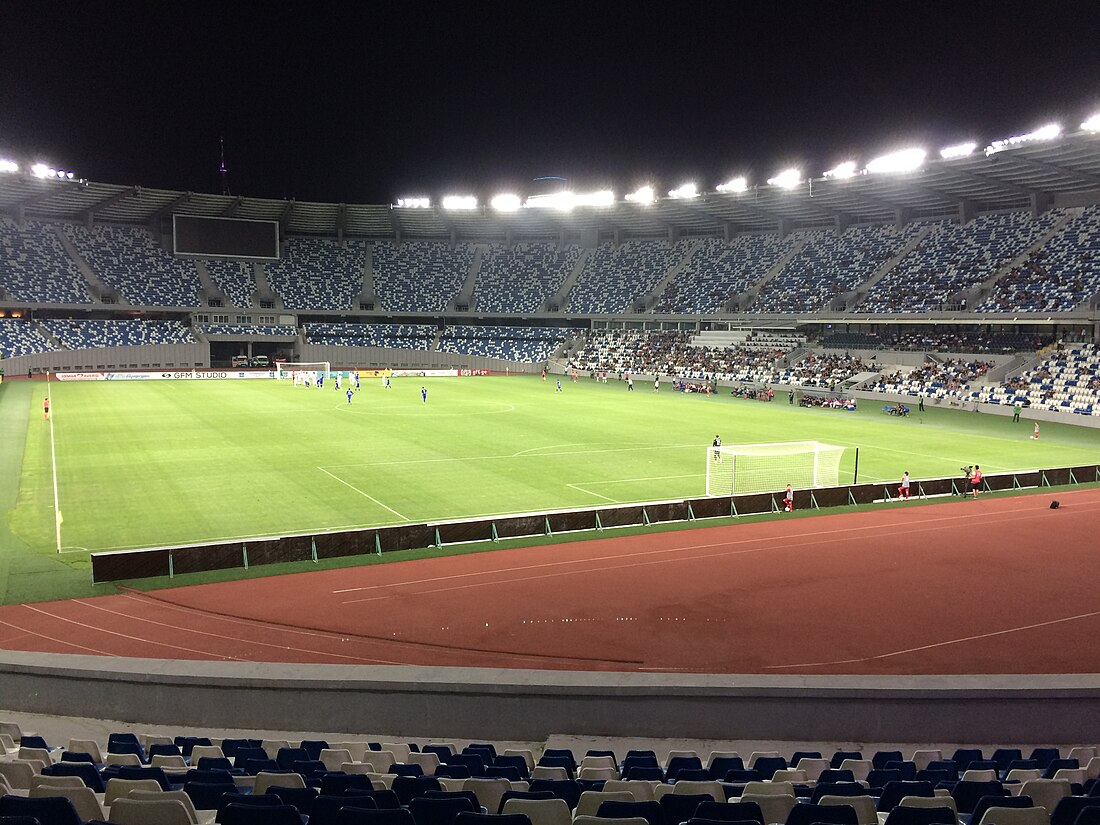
x=414, y=203
x=506, y=203
x=905, y=160
x=843, y=171
x=8, y=165
x=1048, y=132
x=644, y=195
x=40, y=170
x=459, y=202
x=684, y=192
x=1092, y=124
x=959, y=150
x=735, y=185
x=601, y=198
x=562, y=201
x=787, y=179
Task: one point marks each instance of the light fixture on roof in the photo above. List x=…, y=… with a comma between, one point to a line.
x=787, y=179
x=842, y=171
x=1048, y=132
x=459, y=202
x=8, y=165
x=41, y=170
x=565, y=201
x=905, y=160
x=734, y=185
x=959, y=150
x=1092, y=124
x=684, y=192
x=506, y=203
x=644, y=195
x=414, y=203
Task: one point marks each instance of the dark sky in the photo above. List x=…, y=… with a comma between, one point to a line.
x=317, y=102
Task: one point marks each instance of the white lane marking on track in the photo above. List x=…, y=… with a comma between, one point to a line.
x=98, y=629
x=940, y=644
x=365, y=495
x=27, y=632
x=997, y=516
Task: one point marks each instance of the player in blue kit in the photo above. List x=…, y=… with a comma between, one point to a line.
x=337, y=382
x=424, y=394
x=356, y=374
x=320, y=380
x=349, y=395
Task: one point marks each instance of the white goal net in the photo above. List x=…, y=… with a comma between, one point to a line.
x=768, y=468
x=298, y=373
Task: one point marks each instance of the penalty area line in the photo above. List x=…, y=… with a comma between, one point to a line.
x=365, y=495
x=579, y=488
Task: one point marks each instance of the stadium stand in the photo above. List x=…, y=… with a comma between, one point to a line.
x=128, y=259
x=34, y=266
x=829, y=265
x=529, y=344
x=613, y=277
x=952, y=258
x=1066, y=380
x=1059, y=276
x=19, y=337
x=937, y=340
x=83, y=334
x=519, y=279
x=394, y=336
x=950, y=378
x=420, y=277
x=719, y=271
x=235, y=278
x=318, y=274
x=245, y=330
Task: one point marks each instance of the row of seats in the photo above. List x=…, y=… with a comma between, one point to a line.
x=519, y=279
x=246, y=330
x=527, y=344
x=318, y=274
x=614, y=276
x=718, y=271
x=89, y=334
x=34, y=266
x=237, y=279
x=1066, y=380
x=20, y=337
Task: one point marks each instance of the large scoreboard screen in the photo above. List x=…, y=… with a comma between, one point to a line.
x=225, y=238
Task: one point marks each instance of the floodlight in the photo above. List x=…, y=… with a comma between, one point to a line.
x=643, y=195
x=414, y=203
x=40, y=170
x=69, y=175
x=684, y=192
x=1092, y=124
x=787, y=179
x=563, y=201
x=604, y=197
x=8, y=165
x=506, y=203
x=959, y=150
x=843, y=170
x=1048, y=132
x=459, y=202
x=735, y=185
x=905, y=160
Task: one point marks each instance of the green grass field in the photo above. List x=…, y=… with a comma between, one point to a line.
x=142, y=464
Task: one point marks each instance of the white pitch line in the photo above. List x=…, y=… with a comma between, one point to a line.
x=589, y=492
x=365, y=495
x=515, y=455
x=53, y=465
x=647, y=478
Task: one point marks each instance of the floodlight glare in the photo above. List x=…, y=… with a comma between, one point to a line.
x=684, y=192
x=735, y=185
x=843, y=170
x=69, y=175
x=414, y=203
x=459, y=202
x=904, y=161
x=787, y=179
x=643, y=195
x=959, y=150
x=562, y=201
x=40, y=170
x=604, y=197
x=8, y=165
x=1048, y=132
x=506, y=203
x=1092, y=124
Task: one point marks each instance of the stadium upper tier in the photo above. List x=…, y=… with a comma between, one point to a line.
x=392, y=336
x=530, y=344
x=34, y=266
x=74, y=334
x=1002, y=262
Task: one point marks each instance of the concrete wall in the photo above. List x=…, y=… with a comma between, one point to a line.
x=378, y=357
x=166, y=356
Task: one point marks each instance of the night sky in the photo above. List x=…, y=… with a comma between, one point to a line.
x=316, y=102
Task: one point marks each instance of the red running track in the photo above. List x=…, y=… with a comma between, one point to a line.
x=998, y=585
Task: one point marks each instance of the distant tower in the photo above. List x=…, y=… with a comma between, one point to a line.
x=223, y=171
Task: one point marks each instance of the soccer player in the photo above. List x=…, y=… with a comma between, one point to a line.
x=386, y=381
x=656, y=383
x=716, y=444
x=320, y=380
x=349, y=395
x=424, y=395
x=788, y=500
x=356, y=374
x=629, y=384
x=46, y=408
x=1035, y=435
x=337, y=382
x=903, y=490
x=559, y=386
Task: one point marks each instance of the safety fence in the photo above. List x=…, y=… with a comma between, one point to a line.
x=195, y=558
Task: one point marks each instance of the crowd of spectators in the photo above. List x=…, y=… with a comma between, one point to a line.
x=953, y=375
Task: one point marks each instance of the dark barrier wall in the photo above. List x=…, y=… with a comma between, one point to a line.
x=167, y=561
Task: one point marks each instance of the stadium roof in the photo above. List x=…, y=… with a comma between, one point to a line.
x=1032, y=175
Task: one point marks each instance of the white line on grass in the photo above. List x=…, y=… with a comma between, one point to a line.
x=53, y=464
x=702, y=449
x=365, y=495
x=589, y=492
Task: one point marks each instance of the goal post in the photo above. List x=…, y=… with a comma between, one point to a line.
x=295, y=372
x=769, y=468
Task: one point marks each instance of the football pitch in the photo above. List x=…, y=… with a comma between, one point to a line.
x=142, y=464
